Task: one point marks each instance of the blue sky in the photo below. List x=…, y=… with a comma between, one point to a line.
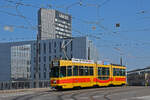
x=95, y=18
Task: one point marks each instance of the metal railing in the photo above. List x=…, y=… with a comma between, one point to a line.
x=7, y=85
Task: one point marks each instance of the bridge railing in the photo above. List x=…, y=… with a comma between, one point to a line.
x=6, y=85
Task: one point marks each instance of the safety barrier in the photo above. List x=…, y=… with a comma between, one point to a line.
x=23, y=84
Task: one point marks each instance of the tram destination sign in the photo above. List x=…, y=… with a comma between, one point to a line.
x=82, y=61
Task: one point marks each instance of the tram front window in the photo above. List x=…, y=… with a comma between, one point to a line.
x=63, y=71
x=55, y=72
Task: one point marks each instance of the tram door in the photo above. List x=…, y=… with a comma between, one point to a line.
x=111, y=75
x=70, y=76
x=91, y=74
x=103, y=76
x=75, y=75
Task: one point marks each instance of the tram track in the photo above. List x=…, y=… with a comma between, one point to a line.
x=74, y=94
x=31, y=96
x=61, y=94
x=110, y=93
x=89, y=93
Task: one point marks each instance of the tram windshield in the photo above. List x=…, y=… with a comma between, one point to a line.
x=55, y=72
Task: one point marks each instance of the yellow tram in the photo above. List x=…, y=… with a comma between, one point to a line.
x=77, y=73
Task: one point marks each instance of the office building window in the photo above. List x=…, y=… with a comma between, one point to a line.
x=71, y=56
x=39, y=59
x=60, y=56
x=28, y=75
x=39, y=48
x=49, y=74
x=54, y=50
x=39, y=75
x=49, y=58
x=71, y=45
x=54, y=44
x=44, y=75
x=44, y=58
x=49, y=47
x=60, y=45
x=28, y=69
x=45, y=68
x=34, y=59
x=44, y=48
x=39, y=67
x=34, y=76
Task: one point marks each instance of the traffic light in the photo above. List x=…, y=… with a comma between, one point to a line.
x=118, y=25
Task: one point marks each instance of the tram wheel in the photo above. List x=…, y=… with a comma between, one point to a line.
x=59, y=88
x=77, y=88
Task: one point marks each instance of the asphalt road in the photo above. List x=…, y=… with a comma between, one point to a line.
x=105, y=93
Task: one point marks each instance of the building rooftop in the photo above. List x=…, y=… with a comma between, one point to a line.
x=138, y=70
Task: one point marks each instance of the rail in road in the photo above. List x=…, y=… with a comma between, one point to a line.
x=105, y=93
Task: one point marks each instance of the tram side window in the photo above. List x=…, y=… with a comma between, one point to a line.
x=114, y=72
x=105, y=71
x=69, y=71
x=75, y=70
x=81, y=71
x=86, y=72
x=63, y=71
x=118, y=72
x=54, y=72
x=123, y=72
x=99, y=71
x=91, y=70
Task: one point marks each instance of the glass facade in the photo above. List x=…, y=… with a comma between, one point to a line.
x=21, y=62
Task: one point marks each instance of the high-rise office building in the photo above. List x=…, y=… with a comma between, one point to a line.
x=53, y=24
